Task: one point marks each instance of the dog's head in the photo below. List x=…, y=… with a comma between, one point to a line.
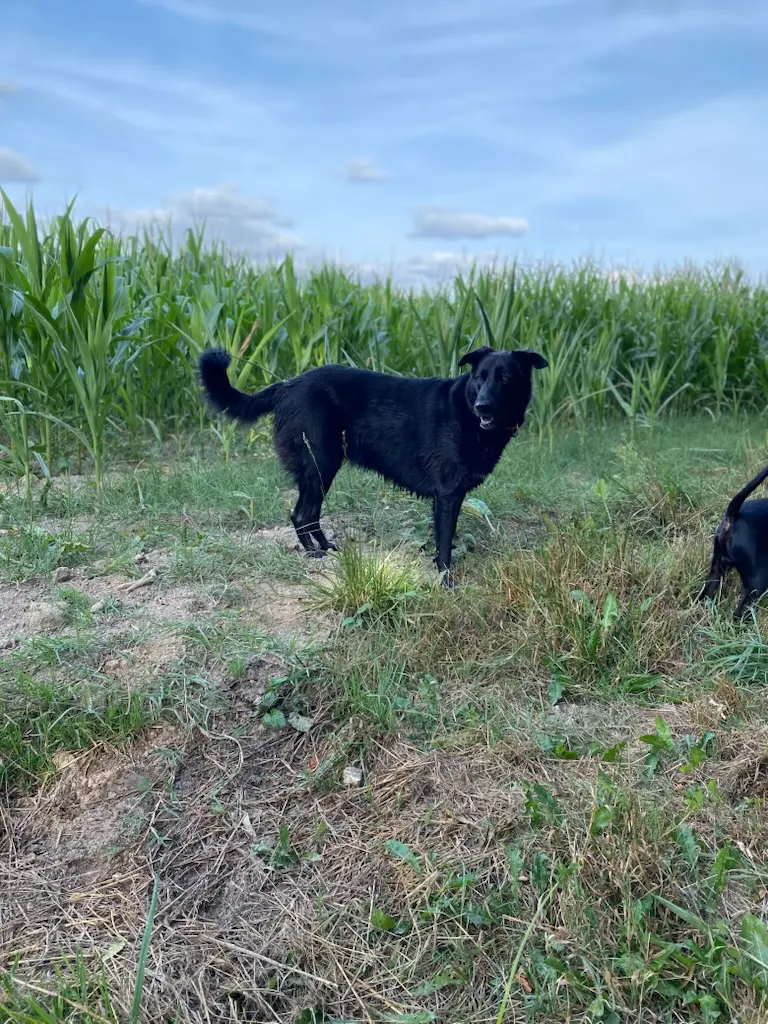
x=499, y=386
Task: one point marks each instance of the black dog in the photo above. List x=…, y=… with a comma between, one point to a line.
x=438, y=438
x=741, y=543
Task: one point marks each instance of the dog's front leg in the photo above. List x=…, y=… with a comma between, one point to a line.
x=447, y=508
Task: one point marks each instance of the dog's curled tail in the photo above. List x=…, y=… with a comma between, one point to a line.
x=732, y=512
x=226, y=398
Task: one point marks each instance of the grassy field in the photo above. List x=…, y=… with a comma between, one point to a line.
x=241, y=786
x=561, y=814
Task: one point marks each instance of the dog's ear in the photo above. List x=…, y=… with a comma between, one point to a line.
x=473, y=358
x=532, y=359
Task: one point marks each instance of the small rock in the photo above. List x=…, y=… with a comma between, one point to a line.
x=64, y=759
x=300, y=722
x=352, y=776
x=145, y=581
x=62, y=574
x=113, y=665
x=140, y=558
x=45, y=617
x=99, y=606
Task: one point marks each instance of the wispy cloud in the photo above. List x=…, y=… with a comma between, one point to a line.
x=698, y=165
x=364, y=172
x=441, y=266
x=434, y=222
x=425, y=268
x=17, y=168
x=338, y=18
x=178, y=109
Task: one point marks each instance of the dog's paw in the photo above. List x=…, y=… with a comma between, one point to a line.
x=447, y=580
x=316, y=554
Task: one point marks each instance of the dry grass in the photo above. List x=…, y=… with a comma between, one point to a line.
x=563, y=771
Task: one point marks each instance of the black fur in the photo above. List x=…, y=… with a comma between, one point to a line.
x=741, y=543
x=438, y=438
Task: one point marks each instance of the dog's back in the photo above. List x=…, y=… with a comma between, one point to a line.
x=749, y=533
x=400, y=427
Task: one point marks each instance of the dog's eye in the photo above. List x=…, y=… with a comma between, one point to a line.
x=482, y=375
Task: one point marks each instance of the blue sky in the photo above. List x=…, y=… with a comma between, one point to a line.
x=417, y=134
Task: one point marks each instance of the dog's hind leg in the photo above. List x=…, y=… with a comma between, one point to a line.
x=755, y=586
x=447, y=510
x=748, y=598
x=717, y=571
x=322, y=541
x=315, y=475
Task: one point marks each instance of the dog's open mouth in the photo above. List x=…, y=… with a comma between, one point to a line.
x=487, y=422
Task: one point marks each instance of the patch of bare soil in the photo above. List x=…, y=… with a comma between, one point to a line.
x=66, y=883
x=175, y=604
x=275, y=606
x=283, y=609
x=609, y=724
x=282, y=536
x=266, y=882
x=31, y=609
x=245, y=691
x=153, y=656
x=63, y=483
x=15, y=601
x=745, y=762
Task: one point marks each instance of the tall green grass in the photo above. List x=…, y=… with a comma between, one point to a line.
x=99, y=335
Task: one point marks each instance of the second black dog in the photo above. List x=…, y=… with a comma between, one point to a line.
x=741, y=543
x=438, y=438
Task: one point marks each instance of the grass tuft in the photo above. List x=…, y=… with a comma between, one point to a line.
x=368, y=583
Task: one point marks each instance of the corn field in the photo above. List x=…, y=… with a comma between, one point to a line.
x=100, y=334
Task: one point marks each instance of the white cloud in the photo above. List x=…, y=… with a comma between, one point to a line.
x=364, y=172
x=15, y=167
x=434, y=222
x=244, y=224
x=428, y=267
x=441, y=266
x=225, y=202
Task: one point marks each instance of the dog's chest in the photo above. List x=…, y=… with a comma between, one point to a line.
x=478, y=460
